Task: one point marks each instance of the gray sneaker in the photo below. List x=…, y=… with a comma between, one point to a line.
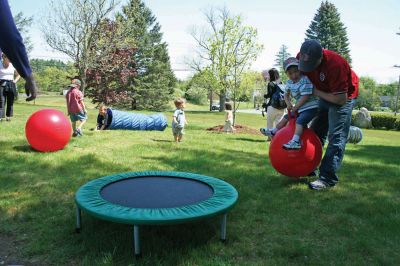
x=292, y=145
x=266, y=132
x=319, y=184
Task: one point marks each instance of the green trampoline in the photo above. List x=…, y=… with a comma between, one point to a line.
x=155, y=198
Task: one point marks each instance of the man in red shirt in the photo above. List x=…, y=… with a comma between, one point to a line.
x=336, y=84
x=76, y=107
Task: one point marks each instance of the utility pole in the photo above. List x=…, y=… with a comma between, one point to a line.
x=398, y=89
x=398, y=92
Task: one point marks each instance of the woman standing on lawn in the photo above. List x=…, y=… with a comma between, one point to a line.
x=274, y=113
x=8, y=90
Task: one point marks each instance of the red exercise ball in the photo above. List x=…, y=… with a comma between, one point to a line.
x=295, y=163
x=48, y=130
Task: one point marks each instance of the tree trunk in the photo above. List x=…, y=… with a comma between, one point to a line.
x=82, y=76
x=133, y=104
x=222, y=99
x=211, y=100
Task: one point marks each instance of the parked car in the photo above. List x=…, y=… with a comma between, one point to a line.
x=215, y=107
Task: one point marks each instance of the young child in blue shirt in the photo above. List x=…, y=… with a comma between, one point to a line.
x=300, y=88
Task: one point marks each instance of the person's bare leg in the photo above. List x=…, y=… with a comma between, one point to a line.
x=180, y=138
x=81, y=124
x=74, y=129
x=299, y=130
x=281, y=123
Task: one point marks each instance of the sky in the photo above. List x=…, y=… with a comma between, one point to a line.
x=371, y=27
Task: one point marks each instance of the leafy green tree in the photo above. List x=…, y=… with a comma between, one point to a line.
x=387, y=89
x=153, y=86
x=52, y=75
x=204, y=85
x=327, y=28
x=53, y=79
x=39, y=65
x=368, y=96
x=226, y=48
x=251, y=85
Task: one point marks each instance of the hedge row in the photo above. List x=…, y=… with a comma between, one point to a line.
x=383, y=120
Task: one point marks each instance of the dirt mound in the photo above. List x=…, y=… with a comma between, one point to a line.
x=239, y=130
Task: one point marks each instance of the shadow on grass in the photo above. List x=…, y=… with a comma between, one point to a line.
x=387, y=154
x=251, y=140
x=162, y=140
x=46, y=213
x=24, y=148
x=276, y=217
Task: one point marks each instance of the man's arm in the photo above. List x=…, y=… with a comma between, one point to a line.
x=11, y=44
x=339, y=99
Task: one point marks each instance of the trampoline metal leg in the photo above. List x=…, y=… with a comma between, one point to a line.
x=78, y=219
x=223, y=227
x=136, y=240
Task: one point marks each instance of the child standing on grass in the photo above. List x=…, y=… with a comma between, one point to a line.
x=179, y=120
x=300, y=88
x=76, y=107
x=228, y=128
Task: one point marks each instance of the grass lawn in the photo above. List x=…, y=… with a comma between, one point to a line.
x=277, y=221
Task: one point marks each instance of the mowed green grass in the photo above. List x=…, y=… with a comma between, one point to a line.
x=277, y=221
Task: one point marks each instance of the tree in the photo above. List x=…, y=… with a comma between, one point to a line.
x=39, y=65
x=251, y=85
x=52, y=75
x=23, y=25
x=327, y=28
x=54, y=79
x=203, y=84
x=246, y=50
x=112, y=68
x=281, y=56
x=368, y=97
x=70, y=27
x=225, y=48
x=153, y=85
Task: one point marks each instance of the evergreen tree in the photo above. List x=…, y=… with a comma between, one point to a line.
x=327, y=28
x=153, y=85
x=281, y=56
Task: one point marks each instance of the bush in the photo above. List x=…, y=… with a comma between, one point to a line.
x=397, y=124
x=196, y=95
x=383, y=120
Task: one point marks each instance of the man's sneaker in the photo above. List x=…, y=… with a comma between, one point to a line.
x=266, y=132
x=292, y=145
x=319, y=184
